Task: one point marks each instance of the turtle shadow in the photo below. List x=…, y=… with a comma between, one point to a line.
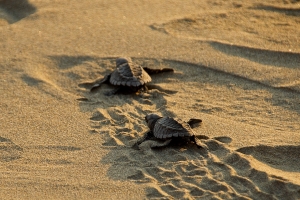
x=14, y=11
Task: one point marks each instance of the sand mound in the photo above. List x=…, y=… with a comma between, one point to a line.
x=240, y=33
x=230, y=26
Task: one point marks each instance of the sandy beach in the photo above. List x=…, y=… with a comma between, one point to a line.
x=236, y=66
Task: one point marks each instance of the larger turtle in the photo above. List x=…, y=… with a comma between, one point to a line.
x=165, y=129
x=129, y=77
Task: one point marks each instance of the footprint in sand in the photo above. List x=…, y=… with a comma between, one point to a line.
x=13, y=11
x=184, y=172
x=118, y=119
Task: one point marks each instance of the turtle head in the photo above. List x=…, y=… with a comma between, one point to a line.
x=151, y=120
x=121, y=61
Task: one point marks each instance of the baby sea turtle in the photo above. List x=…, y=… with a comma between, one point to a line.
x=165, y=129
x=129, y=77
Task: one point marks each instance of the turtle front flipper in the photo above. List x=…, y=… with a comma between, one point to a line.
x=126, y=90
x=144, y=89
x=148, y=135
x=157, y=144
x=100, y=82
x=194, y=122
x=198, y=142
x=113, y=92
x=157, y=71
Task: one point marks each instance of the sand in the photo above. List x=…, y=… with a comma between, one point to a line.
x=237, y=67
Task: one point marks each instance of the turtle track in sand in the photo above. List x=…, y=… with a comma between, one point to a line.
x=185, y=173
x=180, y=172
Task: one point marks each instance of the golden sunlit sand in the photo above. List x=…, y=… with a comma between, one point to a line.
x=237, y=67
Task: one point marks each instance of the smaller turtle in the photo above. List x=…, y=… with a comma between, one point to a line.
x=129, y=77
x=165, y=129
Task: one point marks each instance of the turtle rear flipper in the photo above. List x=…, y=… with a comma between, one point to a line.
x=147, y=136
x=98, y=83
x=202, y=137
x=151, y=87
x=135, y=146
x=198, y=142
x=145, y=89
x=157, y=144
x=157, y=71
x=113, y=92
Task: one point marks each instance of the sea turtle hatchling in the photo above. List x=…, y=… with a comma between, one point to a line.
x=165, y=129
x=129, y=77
